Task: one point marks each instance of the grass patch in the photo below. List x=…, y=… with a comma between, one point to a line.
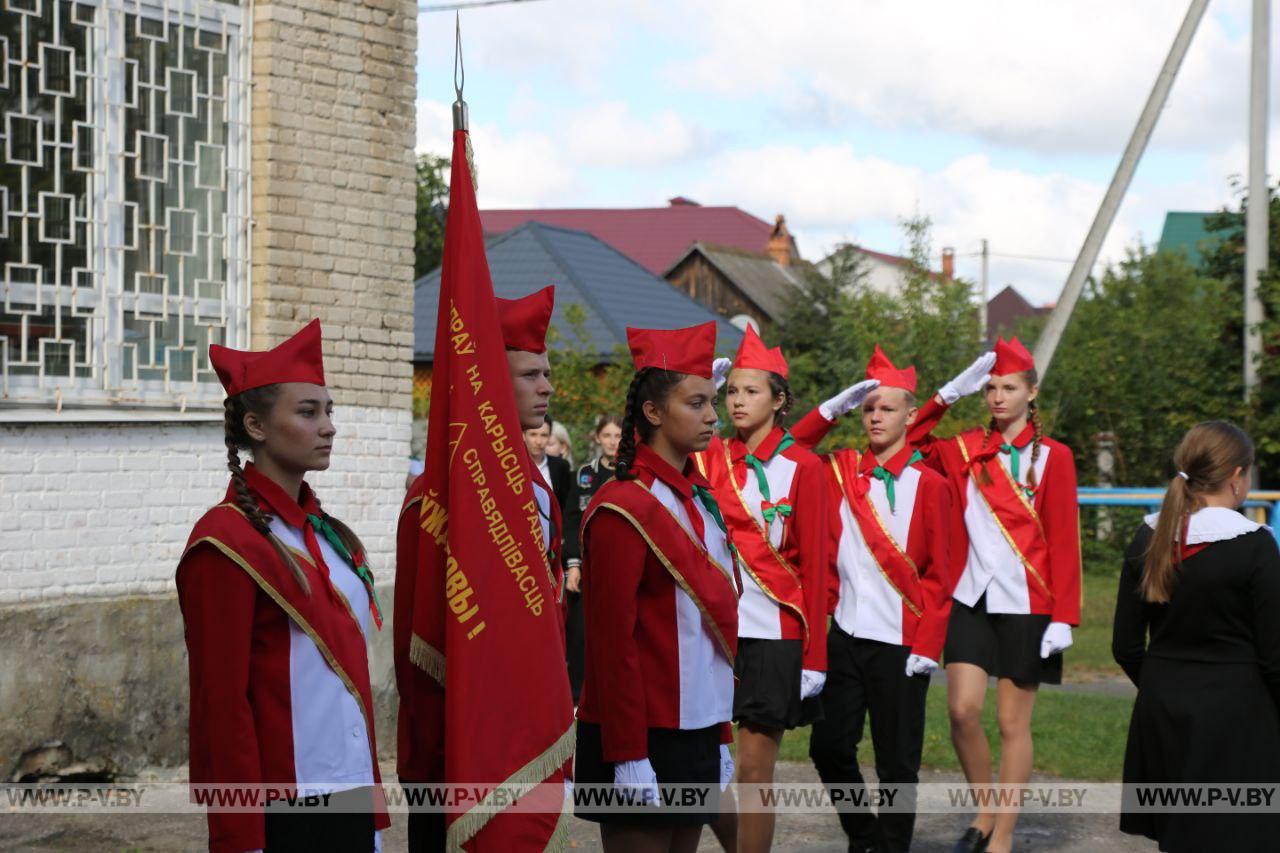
x=1077, y=736
x=1089, y=657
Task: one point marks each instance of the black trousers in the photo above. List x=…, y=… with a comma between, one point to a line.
x=288, y=830
x=426, y=831
x=868, y=677
x=574, y=653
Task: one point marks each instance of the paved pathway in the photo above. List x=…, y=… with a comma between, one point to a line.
x=817, y=832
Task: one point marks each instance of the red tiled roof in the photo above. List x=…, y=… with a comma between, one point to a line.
x=654, y=237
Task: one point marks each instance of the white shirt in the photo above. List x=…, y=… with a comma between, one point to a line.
x=868, y=606
x=706, y=675
x=758, y=614
x=330, y=739
x=993, y=567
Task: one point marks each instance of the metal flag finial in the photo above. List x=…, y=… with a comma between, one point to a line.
x=459, y=77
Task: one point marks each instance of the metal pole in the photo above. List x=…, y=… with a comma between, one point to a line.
x=1256, y=214
x=986, y=279
x=1057, y=324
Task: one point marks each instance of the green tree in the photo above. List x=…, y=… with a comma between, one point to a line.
x=1150, y=352
x=432, y=207
x=831, y=325
x=586, y=385
x=1225, y=262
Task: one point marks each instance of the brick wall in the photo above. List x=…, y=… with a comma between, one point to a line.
x=105, y=509
x=333, y=186
x=93, y=516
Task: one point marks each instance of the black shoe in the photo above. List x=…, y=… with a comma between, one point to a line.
x=973, y=841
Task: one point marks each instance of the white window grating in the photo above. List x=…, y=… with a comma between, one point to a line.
x=124, y=200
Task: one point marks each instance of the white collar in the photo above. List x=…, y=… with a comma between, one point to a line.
x=1212, y=524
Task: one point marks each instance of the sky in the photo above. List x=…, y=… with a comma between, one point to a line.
x=997, y=119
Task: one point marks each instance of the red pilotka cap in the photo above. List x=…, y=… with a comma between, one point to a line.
x=298, y=359
x=880, y=367
x=1011, y=357
x=754, y=355
x=525, y=320
x=688, y=350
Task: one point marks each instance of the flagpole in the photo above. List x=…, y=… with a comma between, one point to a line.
x=459, y=78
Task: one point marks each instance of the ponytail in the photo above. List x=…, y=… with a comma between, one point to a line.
x=1206, y=458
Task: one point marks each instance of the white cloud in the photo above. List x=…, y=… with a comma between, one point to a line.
x=1048, y=77
x=514, y=169
x=830, y=193
x=608, y=134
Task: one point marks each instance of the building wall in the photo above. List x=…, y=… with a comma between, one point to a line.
x=702, y=281
x=93, y=515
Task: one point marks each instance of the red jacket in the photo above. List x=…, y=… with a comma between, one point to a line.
x=237, y=598
x=801, y=579
x=909, y=608
x=660, y=599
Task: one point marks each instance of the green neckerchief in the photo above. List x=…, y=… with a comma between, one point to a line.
x=885, y=476
x=1015, y=465
x=322, y=526
x=708, y=502
x=760, y=479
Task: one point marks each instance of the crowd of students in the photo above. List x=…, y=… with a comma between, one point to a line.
x=732, y=578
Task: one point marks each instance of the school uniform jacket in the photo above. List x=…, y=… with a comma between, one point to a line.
x=420, y=722
x=660, y=607
x=1020, y=550
x=279, y=679
x=892, y=559
x=786, y=573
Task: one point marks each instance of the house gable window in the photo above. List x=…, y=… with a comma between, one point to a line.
x=124, y=201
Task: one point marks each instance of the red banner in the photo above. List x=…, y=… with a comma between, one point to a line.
x=485, y=616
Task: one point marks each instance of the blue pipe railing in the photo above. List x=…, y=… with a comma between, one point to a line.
x=1262, y=506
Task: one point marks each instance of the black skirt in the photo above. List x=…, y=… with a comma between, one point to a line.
x=679, y=757
x=1006, y=645
x=1203, y=723
x=767, y=694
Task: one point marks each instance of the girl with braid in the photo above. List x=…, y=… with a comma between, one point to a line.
x=661, y=606
x=777, y=507
x=1017, y=565
x=277, y=601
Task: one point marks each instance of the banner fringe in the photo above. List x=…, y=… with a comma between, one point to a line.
x=560, y=837
x=427, y=658
x=552, y=758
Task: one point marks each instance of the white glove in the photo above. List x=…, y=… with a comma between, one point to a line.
x=848, y=399
x=921, y=665
x=811, y=682
x=639, y=777
x=726, y=766
x=1057, y=638
x=720, y=370
x=971, y=380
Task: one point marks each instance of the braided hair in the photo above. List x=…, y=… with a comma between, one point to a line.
x=257, y=401
x=649, y=385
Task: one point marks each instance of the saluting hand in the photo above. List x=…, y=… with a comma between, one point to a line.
x=720, y=370
x=971, y=380
x=848, y=399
